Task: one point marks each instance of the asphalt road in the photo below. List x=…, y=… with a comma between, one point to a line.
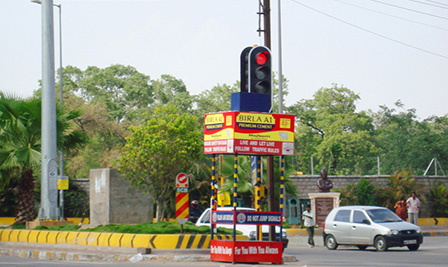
x=433, y=252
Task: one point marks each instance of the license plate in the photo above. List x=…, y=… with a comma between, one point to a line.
x=407, y=242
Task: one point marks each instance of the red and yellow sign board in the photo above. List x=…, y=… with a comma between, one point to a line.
x=182, y=198
x=237, y=132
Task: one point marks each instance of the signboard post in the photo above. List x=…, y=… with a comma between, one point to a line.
x=182, y=199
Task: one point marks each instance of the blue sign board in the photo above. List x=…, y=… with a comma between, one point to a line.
x=248, y=217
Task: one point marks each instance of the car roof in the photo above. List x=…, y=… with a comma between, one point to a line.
x=360, y=207
x=229, y=208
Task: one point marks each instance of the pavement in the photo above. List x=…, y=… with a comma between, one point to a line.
x=297, y=237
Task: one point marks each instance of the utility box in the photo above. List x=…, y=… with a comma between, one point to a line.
x=114, y=200
x=293, y=211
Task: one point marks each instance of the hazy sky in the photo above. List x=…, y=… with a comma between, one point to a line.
x=384, y=50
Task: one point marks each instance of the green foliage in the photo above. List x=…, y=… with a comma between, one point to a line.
x=76, y=201
x=362, y=193
x=438, y=200
x=348, y=196
x=401, y=184
x=142, y=228
x=166, y=144
x=365, y=192
x=330, y=131
x=20, y=150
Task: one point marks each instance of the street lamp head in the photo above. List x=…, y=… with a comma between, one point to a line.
x=36, y=1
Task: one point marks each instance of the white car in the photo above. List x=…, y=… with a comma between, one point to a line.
x=246, y=229
x=365, y=226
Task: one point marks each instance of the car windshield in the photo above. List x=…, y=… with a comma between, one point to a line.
x=382, y=216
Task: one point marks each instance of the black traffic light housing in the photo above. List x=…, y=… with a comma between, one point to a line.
x=260, y=70
x=256, y=81
x=244, y=60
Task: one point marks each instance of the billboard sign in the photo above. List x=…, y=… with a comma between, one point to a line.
x=251, y=133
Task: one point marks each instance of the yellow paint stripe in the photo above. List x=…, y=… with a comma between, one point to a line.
x=62, y=238
x=14, y=236
x=115, y=240
x=126, y=240
x=23, y=236
x=42, y=238
x=72, y=238
x=103, y=239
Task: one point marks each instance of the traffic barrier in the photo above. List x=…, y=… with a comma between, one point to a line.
x=189, y=241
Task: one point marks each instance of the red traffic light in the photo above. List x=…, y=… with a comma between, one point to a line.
x=262, y=58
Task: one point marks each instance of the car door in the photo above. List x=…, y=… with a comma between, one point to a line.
x=361, y=230
x=341, y=226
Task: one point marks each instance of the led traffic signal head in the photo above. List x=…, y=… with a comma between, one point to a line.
x=260, y=70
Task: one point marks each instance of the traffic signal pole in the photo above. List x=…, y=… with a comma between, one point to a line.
x=270, y=159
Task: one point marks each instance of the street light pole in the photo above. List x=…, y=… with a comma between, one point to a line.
x=49, y=180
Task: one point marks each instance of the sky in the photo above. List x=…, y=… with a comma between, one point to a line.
x=383, y=50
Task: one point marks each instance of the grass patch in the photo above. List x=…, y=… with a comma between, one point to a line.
x=141, y=228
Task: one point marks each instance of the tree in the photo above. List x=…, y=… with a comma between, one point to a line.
x=332, y=132
x=169, y=90
x=407, y=143
x=124, y=91
x=217, y=99
x=167, y=143
x=20, y=150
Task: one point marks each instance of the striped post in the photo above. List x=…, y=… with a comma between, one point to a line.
x=258, y=196
x=212, y=204
x=235, y=194
x=282, y=187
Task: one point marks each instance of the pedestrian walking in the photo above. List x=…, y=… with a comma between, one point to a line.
x=413, y=204
x=400, y=209
x=308, y=222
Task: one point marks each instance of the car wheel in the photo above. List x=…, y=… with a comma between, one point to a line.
x=362, y=247
x=330, y=242
x=413, y=247
x=380, y=243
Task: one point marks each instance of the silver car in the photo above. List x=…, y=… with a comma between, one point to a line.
x=365, y=226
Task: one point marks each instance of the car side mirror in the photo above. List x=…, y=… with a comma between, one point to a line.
x=365, y=221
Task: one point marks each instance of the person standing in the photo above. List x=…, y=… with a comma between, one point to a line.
x=400, y=209
x=413, y=204
x=308, y=216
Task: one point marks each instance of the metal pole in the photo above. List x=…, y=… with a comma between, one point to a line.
x=280, y=71
x=312, y=166
x=49, y=192
x=379, y=167
x=61, y=100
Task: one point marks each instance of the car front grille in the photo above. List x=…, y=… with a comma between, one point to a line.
x=408, y=232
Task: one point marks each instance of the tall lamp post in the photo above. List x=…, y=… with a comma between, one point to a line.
x=49, y=208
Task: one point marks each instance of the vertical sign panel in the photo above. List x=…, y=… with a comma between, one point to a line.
x=182, y=198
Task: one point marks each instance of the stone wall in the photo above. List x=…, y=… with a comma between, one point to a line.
x=308, y=184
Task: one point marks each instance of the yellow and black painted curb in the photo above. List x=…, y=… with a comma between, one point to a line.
x=188, y=241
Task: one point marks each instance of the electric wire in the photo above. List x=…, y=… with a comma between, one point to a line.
x=443, y=4
x=409, y=9
x=390, y=15
x=423, y=3
x=369, y=31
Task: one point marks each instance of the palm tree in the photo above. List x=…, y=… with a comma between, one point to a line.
x=20, y=145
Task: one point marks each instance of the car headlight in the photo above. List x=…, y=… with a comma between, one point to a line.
x=252, y=234
x=394, y=232
x=284, y=235
x=419, y=231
